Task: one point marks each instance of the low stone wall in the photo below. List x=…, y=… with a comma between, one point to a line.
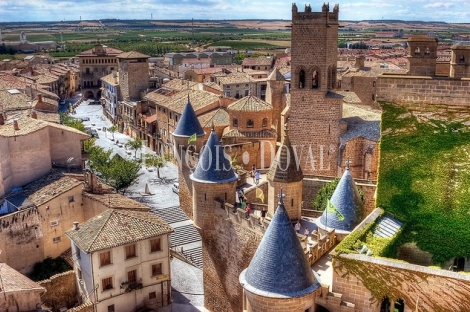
x=61, y=291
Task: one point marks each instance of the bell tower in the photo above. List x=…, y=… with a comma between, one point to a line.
x=316, y=109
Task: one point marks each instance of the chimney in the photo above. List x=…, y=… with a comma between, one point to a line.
x=15, y=125
x=34, y=114
x=75, y=226
x=2, y=119
x=39, y=98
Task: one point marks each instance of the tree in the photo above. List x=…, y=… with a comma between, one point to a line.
x=122, y=173
x=114, y=171
x=324, y=193
x=113, y=129
x=134, y=144
x=156, y=161
x=72, y=122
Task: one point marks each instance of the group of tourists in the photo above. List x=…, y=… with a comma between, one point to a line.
x=247, y=206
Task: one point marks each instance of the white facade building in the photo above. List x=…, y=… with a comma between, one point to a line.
x=122, y=261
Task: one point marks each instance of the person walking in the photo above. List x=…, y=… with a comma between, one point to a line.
x=297, y=227
x=248, y=210
x=253, y=171
x=263, y=214
x=307, y=232
x=257, y=177
x=240, y=195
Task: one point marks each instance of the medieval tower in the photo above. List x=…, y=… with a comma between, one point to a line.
x=133, y=74
x=315, y=110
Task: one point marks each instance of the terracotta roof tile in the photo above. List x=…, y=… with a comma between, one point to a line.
x=13, y=280
x=117, y=227
x=199, y=99
x=219, y=116
x=179, y=84
x=43, y=190
x=250, y=104
x=131, y=55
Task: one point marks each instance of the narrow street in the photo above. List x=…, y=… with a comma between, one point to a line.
x=187, y=288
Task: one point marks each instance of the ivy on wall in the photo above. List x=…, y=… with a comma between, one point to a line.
x=424, y=177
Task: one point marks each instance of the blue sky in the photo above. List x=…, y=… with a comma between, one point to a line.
x=53, y=10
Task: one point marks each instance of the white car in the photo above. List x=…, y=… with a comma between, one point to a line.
x=175, y=188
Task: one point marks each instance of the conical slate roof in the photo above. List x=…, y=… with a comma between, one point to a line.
x=276, y=76
x=188, y=124
x=279, y=267
x=213, y=166
x=284, y=167
x=348, y=202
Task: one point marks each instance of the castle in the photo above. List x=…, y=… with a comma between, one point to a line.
x=251, y=264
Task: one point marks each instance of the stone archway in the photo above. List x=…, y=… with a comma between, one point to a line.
x=89, y=95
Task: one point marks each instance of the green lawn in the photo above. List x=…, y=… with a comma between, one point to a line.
x=424, y=179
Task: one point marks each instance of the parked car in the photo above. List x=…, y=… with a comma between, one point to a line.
x=176, y=188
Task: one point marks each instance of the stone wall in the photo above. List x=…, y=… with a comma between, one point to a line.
x=423, y=90
x=61, y=291
x=424, y=288
x=225, y=255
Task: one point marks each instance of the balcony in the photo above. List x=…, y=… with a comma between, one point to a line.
x=130, y=286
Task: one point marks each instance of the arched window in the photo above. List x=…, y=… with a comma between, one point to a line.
x=265, y=122
x=427, y=52
x=399, y=306
x=417, y=51
x=385, y=306
x=235, y=122
x=462, y=58
x=250, y=123
x=315, y=79
x=302, y=79
x=373, y=84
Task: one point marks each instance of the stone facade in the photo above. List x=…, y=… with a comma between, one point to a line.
x=422, y=53
x=134, y=74
x=264, y=304
x=315, y=111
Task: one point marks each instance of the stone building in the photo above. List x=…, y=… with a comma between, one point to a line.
x=94, y=64
x=30, y=147
x=279, y=277
x=18, y=292
x=316, y=110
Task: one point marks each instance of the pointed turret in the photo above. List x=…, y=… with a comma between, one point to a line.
x=188, y=139
x=345, y=209
x=285, y=173
x=279, y=269
x=276, y=75
x=213, y=165
x=213, y=181
x=188, y=124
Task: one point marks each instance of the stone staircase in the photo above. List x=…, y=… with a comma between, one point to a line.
x=185, y=241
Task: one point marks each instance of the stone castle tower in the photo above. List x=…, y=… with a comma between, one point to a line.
x=422, y=53
x=285, y=174
x=315, y=110
x=133, y=74
x=279, y=277
x=213, y=181
x=185, y=150
x=275, y=97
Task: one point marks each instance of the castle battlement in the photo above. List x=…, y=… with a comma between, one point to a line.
x=325, y=16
